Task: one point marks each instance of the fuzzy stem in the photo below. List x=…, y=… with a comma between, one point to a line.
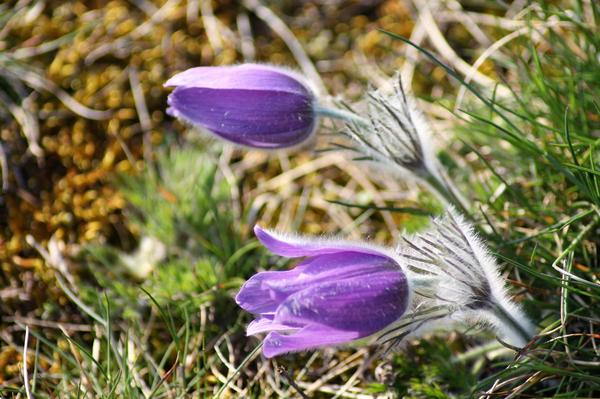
x=445, y=190
x=423, y=281
x=511, y=322
x=439, y=181
x=477, y=352
x=341, y=114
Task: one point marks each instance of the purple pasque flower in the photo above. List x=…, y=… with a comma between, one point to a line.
x=252, y=105
x=339, y=293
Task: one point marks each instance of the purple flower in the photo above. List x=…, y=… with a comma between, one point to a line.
x=339, y=293
x=253, y=105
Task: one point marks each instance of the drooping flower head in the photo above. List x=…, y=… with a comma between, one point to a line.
x=461, y=280
x=252, y=105
x=339, y=293
x=396, y=136
x=395, y=133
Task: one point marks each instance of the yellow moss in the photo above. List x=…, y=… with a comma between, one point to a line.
x=109, y=159
x=123, y=167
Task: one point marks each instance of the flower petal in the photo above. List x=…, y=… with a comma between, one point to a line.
x=307, y=338
x=255, y=296
x=245, y=76
x=329, y=267
x=363, y=304
x=294, y=247
x=266, y=324
x=264, y=291
x=256, y=118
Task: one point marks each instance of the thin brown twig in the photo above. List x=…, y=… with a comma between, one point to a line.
x=210, y=26
x=246, y=38
x=4, y=169
x=142, y=111
x=290, y=380
x=48, y=323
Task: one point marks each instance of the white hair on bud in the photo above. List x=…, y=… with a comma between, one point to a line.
x=397, y=134
x=462, y=277
x=330, y=240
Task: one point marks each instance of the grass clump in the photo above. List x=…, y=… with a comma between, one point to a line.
x=535, y=150
x=154, y=332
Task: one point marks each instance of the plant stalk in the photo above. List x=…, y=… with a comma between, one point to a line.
x=446, y=191
x=509, y=320
x=341, y=114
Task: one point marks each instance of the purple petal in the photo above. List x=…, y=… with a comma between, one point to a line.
x=266, y=324
x=363, y=304
x=253, y=105
x=255, y=297
x=256, y=118
x=264, y=291
x=247, y=77
x=293, y=247
x=328, y=267
x=341, y=292
x=309, y=337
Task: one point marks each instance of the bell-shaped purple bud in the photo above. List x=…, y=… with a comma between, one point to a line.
x=252, y=105
x=341, y=292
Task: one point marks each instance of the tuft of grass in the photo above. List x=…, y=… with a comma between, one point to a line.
x=535, y=156
x=157, y=336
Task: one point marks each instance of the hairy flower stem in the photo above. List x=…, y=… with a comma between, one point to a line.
x=341, y=114
x=421, y=281
x=479, y=351
x=512, y=323
x=425, y=282
x=437, y=181
x=446, y=192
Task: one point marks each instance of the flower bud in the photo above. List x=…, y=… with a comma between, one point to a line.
x=341, y=292
x=465, y=280
x=251, y=105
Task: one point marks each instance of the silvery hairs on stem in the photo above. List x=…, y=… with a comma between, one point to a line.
x=396, y=136
x=456, y=279
x=395, y=132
